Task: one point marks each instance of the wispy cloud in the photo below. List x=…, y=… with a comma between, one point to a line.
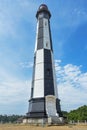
x=72, y=85
x=13, y=13
x=14, y=90
x=15, y=16
x=71, y=15
x=26, y=64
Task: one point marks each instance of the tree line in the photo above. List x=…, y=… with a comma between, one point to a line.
x=9, y=118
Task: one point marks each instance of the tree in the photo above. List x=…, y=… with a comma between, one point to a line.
x=78, y=114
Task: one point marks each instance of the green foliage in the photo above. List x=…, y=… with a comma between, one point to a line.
x=78, y=114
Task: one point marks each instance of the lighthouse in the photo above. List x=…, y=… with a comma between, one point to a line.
x=44, y=102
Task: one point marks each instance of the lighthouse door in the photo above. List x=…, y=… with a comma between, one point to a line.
x=51, y=106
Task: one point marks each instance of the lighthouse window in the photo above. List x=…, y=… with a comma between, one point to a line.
x=48, y=72
x=46, y=44
x=40, y=22
x=45, y=23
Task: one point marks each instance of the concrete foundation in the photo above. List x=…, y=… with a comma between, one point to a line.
x=44, y=121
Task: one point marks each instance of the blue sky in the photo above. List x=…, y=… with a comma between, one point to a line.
x=17, y=42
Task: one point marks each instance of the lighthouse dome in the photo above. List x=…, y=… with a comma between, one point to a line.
x=43, y=7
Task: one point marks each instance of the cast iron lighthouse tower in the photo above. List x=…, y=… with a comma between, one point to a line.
x=44, y=102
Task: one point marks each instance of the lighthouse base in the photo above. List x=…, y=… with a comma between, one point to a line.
x=44, y=111
x=44, y=121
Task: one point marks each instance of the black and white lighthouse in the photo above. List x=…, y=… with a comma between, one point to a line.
x=44, y=102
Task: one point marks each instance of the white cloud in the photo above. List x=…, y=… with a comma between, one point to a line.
x=72, y=86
